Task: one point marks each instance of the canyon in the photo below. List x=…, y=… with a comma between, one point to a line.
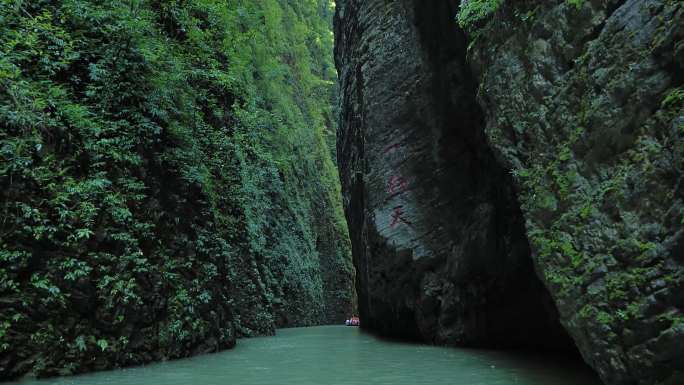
x=508, y=187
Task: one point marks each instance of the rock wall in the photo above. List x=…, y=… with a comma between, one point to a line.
x=542, y=144
x=585, y=104
x=437, y=236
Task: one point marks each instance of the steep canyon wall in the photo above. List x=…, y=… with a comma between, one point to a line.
x=166, y=180
x=523, y=165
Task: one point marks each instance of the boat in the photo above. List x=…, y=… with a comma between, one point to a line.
x=353, y=321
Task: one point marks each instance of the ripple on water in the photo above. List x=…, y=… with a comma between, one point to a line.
x=339, y=355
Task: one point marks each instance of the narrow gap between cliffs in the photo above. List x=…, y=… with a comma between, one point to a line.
x=524, y=316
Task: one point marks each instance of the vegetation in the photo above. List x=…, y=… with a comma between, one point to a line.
x=475, y=11
x=167, y=182
x=554, y=192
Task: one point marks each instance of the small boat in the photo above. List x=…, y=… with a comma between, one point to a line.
x=353, y=321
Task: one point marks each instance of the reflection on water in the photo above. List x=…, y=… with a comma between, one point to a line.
x=342, y=356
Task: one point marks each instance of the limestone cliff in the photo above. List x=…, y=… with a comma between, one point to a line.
x=438, y=238
x=539, y=152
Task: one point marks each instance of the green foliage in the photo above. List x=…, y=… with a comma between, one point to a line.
x=102, y=344
x=576, y=3
x=674, y=319
x=473, y=12
x=527, y=16
x=674, y=99
x=165, y=166
x=80, y=343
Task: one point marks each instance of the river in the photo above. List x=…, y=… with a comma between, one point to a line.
x=342, y=356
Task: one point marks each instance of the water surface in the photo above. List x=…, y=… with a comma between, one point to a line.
x=339, y=355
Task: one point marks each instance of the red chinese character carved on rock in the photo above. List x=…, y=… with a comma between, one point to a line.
x=396, y=184
x=398, y=217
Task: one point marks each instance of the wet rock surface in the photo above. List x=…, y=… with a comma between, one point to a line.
x=549, y=148
x=580, y=104
x=437, y=236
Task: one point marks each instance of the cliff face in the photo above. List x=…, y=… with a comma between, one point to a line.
x=582, y=104
x=165, y=187
x=542, y=144
x=437, y=236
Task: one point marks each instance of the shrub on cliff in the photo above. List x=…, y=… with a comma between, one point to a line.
x=158, y=160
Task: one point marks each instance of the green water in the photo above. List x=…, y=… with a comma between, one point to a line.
x=342, y=356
